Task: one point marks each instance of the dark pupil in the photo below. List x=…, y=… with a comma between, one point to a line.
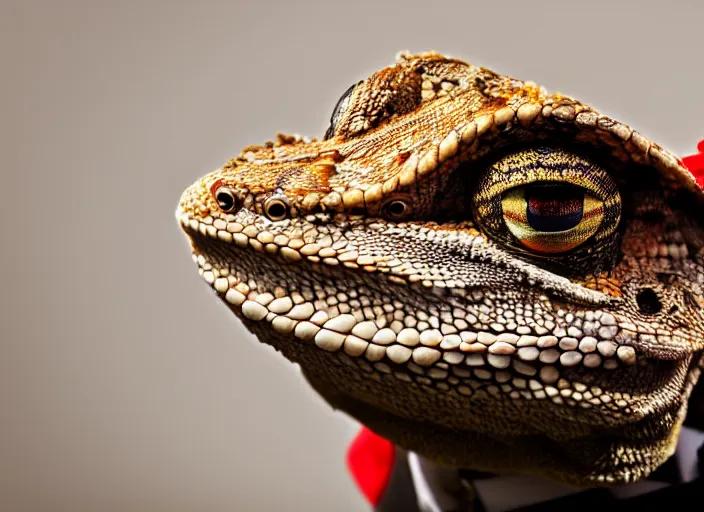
x=397, y=208
x=554, y=207
x=225, y=200
x=277, y=210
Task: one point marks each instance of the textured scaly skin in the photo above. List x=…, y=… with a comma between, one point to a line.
x=435, y=328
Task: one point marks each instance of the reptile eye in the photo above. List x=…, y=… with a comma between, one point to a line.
x=549, y=200
x=339, y=110
x=397, y=209
x=226, y=199
x=551, y=217
x=276, y=208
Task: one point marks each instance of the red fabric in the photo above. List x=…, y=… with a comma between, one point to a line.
x=695, y=163
x=370, y=459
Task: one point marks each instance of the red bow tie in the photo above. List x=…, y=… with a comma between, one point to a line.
x=695, y=163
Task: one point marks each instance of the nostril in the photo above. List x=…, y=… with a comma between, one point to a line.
x=648, y=301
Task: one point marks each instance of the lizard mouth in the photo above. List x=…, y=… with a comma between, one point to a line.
x=443, y=339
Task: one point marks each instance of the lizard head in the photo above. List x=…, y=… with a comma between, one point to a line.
x=493, y=276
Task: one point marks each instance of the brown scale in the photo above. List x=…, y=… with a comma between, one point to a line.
x=604, y=284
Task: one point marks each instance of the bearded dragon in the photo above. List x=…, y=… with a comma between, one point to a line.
x=487, y=274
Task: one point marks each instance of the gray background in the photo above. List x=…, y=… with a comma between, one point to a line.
x=124, y=385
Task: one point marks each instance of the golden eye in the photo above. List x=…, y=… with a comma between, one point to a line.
x=226, y=199
x=549, y=217
x=276, y=208
x=548, y=199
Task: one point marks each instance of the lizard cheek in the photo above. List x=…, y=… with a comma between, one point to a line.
x=551, y=217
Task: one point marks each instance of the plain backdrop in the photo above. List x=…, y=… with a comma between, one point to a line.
x=124, y=384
